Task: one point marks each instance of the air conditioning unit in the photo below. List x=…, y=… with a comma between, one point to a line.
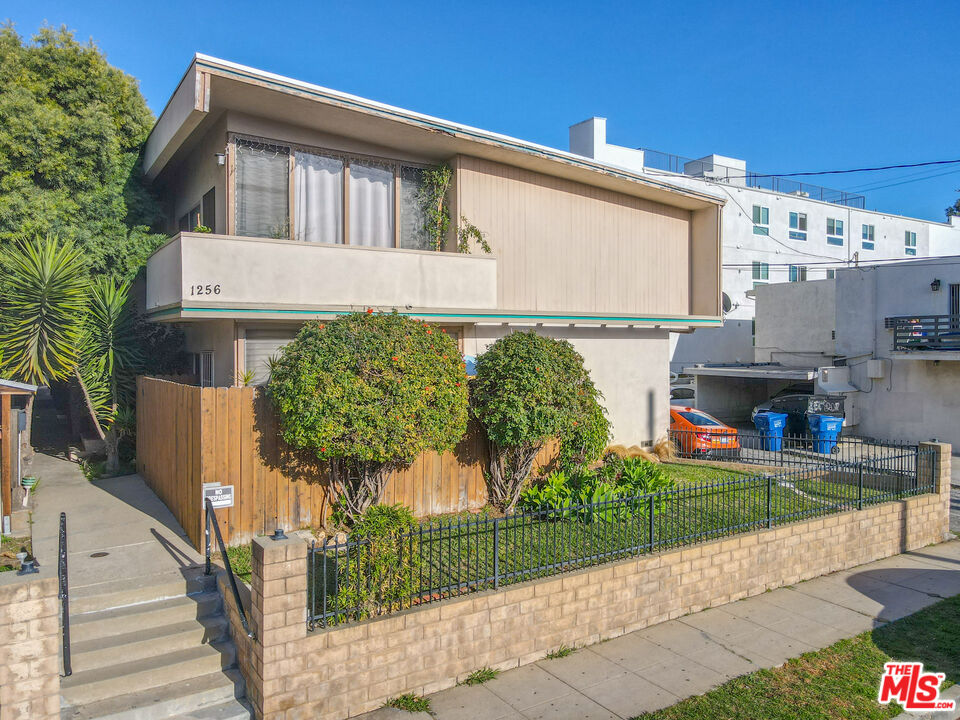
x=875, y=369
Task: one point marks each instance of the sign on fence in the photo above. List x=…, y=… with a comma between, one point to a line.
x=221, y=496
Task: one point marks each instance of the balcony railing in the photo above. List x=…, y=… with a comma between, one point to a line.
x=925, y=333
x=709, y=170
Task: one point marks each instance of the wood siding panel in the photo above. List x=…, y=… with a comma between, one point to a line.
x=567, y=247
x=189, y=435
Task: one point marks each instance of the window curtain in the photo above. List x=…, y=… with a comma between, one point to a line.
x=318, y=198
x=371, y=205
x=413, y=233
x=263, y=182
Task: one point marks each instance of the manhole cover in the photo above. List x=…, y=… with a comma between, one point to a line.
x=100, y=554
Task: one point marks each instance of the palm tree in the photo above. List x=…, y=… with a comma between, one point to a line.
x=42, y=298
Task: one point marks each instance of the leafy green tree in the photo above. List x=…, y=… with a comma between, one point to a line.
x=369, y=393
x=71, y=130
x=42, y=298
x=528, y=390
x=953, y=210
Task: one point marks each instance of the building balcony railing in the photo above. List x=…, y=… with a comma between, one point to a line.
x=925, y=333
x=709, y=170
x=227, y=273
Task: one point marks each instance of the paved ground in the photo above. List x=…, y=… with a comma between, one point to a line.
x=660, y=665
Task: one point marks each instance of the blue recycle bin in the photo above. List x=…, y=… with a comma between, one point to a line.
x=770, y=425
x=825, y=429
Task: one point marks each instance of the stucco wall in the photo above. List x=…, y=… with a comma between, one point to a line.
x=218, y=336
x=347, y=670
x=795, y=323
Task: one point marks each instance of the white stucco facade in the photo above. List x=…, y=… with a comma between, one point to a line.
x=743, y=246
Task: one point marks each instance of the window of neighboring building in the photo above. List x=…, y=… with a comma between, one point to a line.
x=753, y=332
x=831, y=274
x=798, y=226
x=834, y=231
x=798, y=273
x=761, y=273
x=866, y=236
x=761, y=220
x=910, y=242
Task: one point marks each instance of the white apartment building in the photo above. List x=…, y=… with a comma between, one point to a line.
x=774, y=230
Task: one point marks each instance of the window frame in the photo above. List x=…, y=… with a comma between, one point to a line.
x=836, y=237
x=347, y=157
x=763, y=226
x=797, y=223
x=868, y=239
x=760, y=272
x=909, y=242
x=798, y=273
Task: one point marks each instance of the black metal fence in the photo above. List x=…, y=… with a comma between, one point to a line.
x=447, y=558
x=790, y=450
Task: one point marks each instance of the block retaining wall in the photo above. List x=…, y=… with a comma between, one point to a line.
x=347, y=670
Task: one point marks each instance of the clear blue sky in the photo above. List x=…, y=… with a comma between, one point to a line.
x=787, y=86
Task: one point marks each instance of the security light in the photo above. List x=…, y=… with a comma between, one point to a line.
x=935, y=285
x=221, y=158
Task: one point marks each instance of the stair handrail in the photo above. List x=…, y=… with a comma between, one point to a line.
x=211, y=513
x=63, y=594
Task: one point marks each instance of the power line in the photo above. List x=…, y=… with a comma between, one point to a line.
x=904, y=182
x=844, y=172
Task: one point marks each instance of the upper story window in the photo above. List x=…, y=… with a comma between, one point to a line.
x=336, y=198
x=866, y=237
x=761, y=273
x=831, y=274
x=834, y=231
x=798, y=226
x=761, y=220
x=798, y=273
x=909, y=242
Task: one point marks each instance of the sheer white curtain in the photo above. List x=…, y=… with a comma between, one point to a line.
x=318, y=198
x=371, y=205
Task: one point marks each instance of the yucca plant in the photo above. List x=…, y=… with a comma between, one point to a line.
x=42, y=297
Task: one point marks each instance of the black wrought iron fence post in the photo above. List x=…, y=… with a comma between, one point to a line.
x=64, y=593
x=769, y=501
x=860, y=485
x=651, y=508
x=496, y=553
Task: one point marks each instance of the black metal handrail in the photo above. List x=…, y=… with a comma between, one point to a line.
x=64, y=596
x=211, y=514
x=926, y=332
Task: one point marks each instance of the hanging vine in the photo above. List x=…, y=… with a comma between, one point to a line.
x=468, y=231
x=436, y=212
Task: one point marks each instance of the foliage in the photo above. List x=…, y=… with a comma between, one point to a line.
x=478, y=677
x=409, y=702
x=433, y=203
x=244, y=378
x=617, y=479
x=42, y=298
x=369, y=392
x=202, y=229
x=380, y=576
x=467, y=232
x=528, y=389
x=584, y=443
x=71, y=129
x=953, y=210
x=560, y=652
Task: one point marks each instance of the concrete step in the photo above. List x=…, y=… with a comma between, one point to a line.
x=132, y=591
x=201, y=693
x=231, y=710
x=147, y=642
x=132, y=618
x=88, y=686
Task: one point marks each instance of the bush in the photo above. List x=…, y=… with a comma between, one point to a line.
x=380, y=575
x=528, y=390
x=369, y=393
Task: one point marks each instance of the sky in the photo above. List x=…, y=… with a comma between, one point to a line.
x=786, y=86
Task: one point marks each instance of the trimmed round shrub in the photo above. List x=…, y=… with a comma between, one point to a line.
x=369, y=392
x=528, y=390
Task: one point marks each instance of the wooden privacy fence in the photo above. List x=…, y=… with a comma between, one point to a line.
x=188, y=436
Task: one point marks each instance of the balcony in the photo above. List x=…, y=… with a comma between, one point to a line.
x=933, y=337
x=200, y=275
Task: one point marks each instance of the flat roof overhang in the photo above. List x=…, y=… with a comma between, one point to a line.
x=212, y=86
x=761, y=372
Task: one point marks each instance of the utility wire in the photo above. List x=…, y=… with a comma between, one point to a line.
x=844, y=172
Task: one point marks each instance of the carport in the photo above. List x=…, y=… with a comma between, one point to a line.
x=729, y=392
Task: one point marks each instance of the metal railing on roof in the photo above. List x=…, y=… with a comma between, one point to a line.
x=709, y=170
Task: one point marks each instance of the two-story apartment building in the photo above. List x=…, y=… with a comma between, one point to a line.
x=312, y=197
x=775, y=230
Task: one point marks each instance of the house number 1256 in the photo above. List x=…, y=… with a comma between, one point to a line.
x=204, y=289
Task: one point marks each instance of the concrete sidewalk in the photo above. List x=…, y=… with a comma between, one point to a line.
x=660, y=665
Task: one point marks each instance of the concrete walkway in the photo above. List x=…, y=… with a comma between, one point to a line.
x=660, y=665
x=121, y=517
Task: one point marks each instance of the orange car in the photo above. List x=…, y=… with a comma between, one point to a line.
x=697, y=434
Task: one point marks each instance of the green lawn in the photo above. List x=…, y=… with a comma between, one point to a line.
x=840, y=681
x=689, y=473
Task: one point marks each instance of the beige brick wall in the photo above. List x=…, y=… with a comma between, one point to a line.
x=347, y=670
x=29, y=647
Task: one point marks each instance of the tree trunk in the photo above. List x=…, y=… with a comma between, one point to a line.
x=509, y=469
x=358, y=485
x=26, y=444
x=110, y=443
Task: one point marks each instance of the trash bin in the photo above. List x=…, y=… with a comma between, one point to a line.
x=770, y=425
x=825, y=429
